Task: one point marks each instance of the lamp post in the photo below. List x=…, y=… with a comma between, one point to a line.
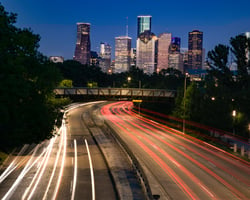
x=234, y=115
x=184, y=98
x=129, y=79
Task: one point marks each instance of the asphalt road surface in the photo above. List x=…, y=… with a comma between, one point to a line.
x=71, y=165
x=179, y=166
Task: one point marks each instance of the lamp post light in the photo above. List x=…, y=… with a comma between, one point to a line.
x=234, y=115
x=184, y=105
x=129, y=79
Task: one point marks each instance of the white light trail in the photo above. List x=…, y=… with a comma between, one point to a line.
x=55, y=165
x=75, y=173
x=12, y=166
x=64, y=130
x=23, y=173
x=91, y=171
x=40, y=171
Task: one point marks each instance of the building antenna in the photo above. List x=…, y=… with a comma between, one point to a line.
x=127, y=26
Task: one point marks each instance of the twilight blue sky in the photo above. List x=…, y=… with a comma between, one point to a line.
x=55, y=21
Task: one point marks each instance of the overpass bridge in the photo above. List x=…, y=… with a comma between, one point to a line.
x=115, y=93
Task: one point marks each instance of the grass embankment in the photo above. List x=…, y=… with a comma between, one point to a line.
x=3, y=156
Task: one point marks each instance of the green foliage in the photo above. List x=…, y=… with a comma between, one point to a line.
x=92, y=84
x=27, y=82
x=82, y=74
x=66, y=83
x=211, y=102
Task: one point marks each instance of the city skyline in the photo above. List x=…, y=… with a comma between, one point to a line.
x=55, y=22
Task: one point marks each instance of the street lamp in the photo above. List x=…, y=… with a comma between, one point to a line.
x=129, y=79
x=234, y=115
x=184, y=98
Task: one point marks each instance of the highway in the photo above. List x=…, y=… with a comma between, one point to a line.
x=85, y=161
x=70, y=165
x=179, y=166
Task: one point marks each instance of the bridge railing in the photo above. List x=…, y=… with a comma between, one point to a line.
x=116, y=92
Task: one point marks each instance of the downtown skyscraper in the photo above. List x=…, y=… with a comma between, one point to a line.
x=146, y=52
x=143, y=24
x=195, y=49
x=82, y=50
x=105, y=57
x=122, y=54
x=164, y=44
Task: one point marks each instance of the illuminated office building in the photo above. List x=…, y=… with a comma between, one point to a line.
x=164, y=43
x=175, y=45
x=195, y=50
x=146, y=52
x=176, y=61
x=122, y=54
x=82, y=50
x=143, y=24
x=105, y=57
x=133, y=57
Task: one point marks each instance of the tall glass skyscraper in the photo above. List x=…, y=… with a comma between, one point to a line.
x=164, y=43
x=82, y=50
x=105, y=57
x=175, y=45
x=122, y=54
x=143, y=24
x=146, y=52
x=195, y=49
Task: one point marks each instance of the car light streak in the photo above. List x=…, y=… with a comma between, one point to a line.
x=64, y=131
x=162, y=164
x=75, y=173
x=26, y=169
x=55, y=165
x=195, y=139
x=187, y=172
x=91, y=171
x=172, y=131
x=12, y=165
x=229, y=186
x=39, y=172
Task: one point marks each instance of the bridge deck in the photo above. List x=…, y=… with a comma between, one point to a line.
x=116, y=92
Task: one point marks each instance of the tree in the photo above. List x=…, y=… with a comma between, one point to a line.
x=27, y=82
x=66, y=83
x=234, y=87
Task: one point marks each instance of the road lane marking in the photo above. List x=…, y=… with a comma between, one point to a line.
x=91, y=171
x=75, y=173
x=206, y=190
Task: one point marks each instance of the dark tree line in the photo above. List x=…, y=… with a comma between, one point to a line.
x=27, y=80
x=81, y=75
x=213, y=101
